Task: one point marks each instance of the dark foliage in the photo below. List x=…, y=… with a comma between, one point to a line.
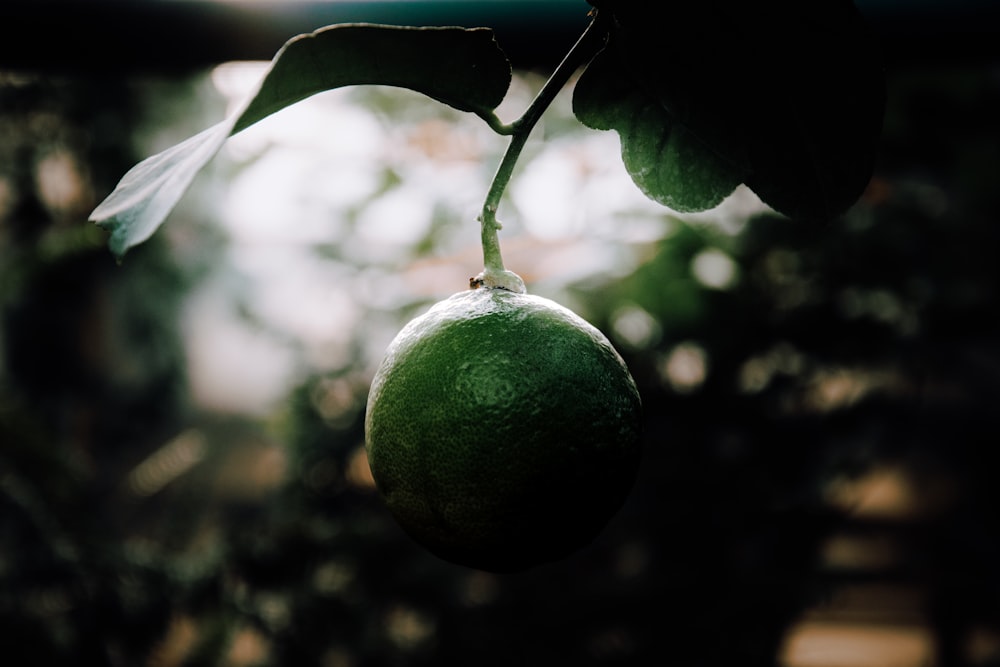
x=862, y=343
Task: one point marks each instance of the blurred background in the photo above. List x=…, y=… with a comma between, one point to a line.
x=182, y=474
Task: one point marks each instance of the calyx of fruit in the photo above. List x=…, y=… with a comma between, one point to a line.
x=498, y=279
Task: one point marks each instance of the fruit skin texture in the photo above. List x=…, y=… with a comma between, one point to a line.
x=503, y=430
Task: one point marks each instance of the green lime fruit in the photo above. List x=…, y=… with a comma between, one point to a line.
x=502, y=430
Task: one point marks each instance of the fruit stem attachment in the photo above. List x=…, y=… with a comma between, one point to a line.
x=589, y=43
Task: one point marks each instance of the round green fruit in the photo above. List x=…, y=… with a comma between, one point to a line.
x=502, y=430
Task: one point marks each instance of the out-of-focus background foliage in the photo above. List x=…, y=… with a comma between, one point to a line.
x=182, y=479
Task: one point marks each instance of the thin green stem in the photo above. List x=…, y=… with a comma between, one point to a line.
x=585, y=48
x=495, y=123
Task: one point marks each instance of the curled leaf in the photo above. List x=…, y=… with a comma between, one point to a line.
x=789, y=93
x=463, y=68
x=664, y=158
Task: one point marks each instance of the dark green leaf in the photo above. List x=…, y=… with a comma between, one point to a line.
x=462, y=68
x=790, y=92
x=664, y=158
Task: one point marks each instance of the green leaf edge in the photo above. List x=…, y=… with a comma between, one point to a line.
x=630, y=112
x=150, y=190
